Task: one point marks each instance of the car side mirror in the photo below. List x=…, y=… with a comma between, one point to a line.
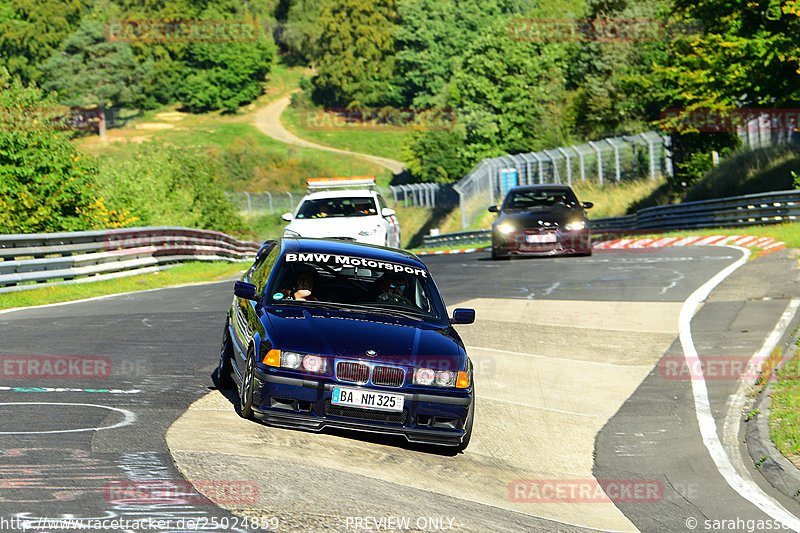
x=287, y=217
x=245, y=290
x=463, y=316
x=587, y=205
x=494, y=209
x=387, y=212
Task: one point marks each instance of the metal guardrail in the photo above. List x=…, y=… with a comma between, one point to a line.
x=29, y=261
x=456, y=238
x=746, y=210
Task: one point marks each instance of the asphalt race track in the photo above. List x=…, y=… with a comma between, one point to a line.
x=107, y=406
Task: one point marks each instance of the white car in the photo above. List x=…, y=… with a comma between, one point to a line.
x=333, y=211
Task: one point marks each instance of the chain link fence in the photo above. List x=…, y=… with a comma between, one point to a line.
x=609, y=160
x=413, y=195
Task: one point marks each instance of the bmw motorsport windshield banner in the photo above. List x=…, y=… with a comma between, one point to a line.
x=346, y=260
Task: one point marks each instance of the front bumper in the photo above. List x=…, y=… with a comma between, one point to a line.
x=304, y=403
x=566, y=243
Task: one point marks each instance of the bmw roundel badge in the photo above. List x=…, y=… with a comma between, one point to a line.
x=372, y=353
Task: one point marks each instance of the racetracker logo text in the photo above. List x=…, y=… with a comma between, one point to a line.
x=181, y=31
x=586, y=491
x=55, y=366
x=173, y=491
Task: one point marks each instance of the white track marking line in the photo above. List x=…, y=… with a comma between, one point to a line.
x=566, y=360
x=747, y=489
x=129, y=418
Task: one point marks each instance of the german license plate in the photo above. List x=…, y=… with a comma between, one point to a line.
x=540, y=239
x=365, y=399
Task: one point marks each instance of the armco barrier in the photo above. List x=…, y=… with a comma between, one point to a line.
x=56, y=258
x=734, y=211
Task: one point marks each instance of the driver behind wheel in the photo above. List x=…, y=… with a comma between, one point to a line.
x=391, y=289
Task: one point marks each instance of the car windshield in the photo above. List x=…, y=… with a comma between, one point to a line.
x=355, y=282
x=337, y=207
x=540, y=198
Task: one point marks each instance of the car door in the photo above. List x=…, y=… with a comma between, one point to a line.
x=392, y=225
x=246, y=319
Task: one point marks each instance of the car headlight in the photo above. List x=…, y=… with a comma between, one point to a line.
x=575, y=226
x=315, y=364
x=368, y=232
x=505, y=228
x=440, y=378
x=291, y=360
x=290, y=233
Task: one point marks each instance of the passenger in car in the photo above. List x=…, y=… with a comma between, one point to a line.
x=391, y=289
x=303, y=286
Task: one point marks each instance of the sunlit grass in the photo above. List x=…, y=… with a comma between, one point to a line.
x=784, y=418
x=194, y=272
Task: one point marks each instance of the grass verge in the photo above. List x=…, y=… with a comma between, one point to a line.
x=784, y=416
x=194, y=272
x=313, y=124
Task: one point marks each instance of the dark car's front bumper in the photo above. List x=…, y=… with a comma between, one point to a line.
x=306, y=403
x=566, y=243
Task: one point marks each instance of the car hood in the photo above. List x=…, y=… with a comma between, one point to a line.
x=542, y=217
x=342, y=333
x=334, y=226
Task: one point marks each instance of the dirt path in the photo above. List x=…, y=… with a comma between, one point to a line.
x=268, y=121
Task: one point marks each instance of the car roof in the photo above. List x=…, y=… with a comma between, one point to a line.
x=342, y=247
x=341, y=193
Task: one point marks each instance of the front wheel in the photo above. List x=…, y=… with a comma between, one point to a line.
x=246, y=394
x=224, y=367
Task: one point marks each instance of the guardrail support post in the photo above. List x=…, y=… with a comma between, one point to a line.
x=271, y=207
x=291, y=201
x=569, y=167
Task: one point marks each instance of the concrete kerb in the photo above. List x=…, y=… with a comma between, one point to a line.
x=776, y=469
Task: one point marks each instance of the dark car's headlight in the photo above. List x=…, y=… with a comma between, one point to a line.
x=315, y=364
x=575, y=226
x=505, y=228
x=440, y=378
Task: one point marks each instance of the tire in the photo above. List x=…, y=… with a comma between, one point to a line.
x=246, y=392
x=224, y=380
x=498, y=257
x=468, y=426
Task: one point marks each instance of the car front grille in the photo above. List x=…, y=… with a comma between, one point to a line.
x=365, y=414
x=388, y=376
x=352, y=372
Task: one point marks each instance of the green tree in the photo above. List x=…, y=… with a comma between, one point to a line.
x=31, y=30
x=298, y=31
x=90, y=71
x=436, y=155
x=165, y=185
x=225, y=75
x=509, y=95
x=431, y=38
x=45, y=183
x=355, y=54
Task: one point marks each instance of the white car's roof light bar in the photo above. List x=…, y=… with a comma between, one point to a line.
x=341, y=182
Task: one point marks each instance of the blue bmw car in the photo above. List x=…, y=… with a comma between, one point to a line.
x=334, y=334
